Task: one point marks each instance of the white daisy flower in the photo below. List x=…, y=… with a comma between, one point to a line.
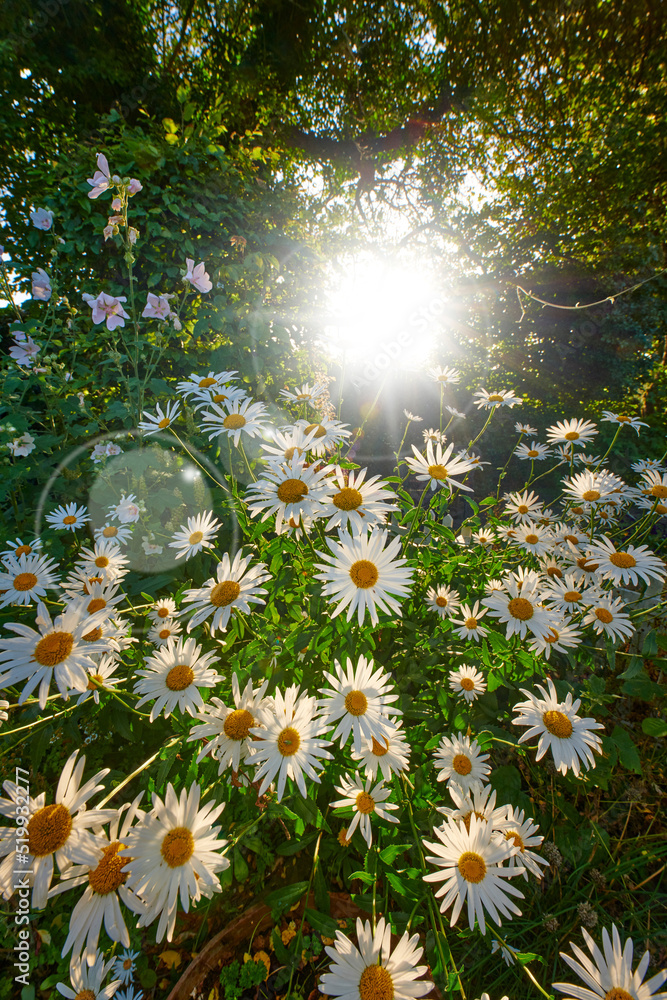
x=173, y=853
x=491, y=401
x=509, y=956
x=468, y=622
x=58, y=651
x=239, y=417
x=581, y=458
x=163, y=608
x=524, y=428
x=559, y=728
x=154, y=423
x=363, y=572
x=372, y=971
x=493, y=586
x=561, y=637
x=290, y=742
x=659, y=509
x=111, y=532
x=18, y=548
x=572, y=432
x=124, y=965
x=438, y=467
x=173, y=676
x=86, y=981
x=105, y=878
x=648, y=465
x=609, y=975
x=68, y=518
x=304, y=394
x=446, y=376
x=434, y=435
x=327, y=434
x=366, y=800
x=162, y=631
x=358, y=503
x=534, y=452
x=26, y=579
x=105, y=560
x=444, y=600
x=520, y=608
x=60, y=830
x=590, y=487
x=391, y=754
x=196, y=535
x=472, y=457
x=654, y=484
x=234, y=588
x=629, y=565
x=127, y=510
x=522, y=507
x=533, y=538
x=485, y=536
x=467, y=682
x=362, y=699
x=455, y=413
x=472, y=866
x=198, y=383
x=100, y=678
x=568, y=595
x=524, y=833
x=286, y=443
x=623, y=419
x=227, y=730
x=461, y=763
x=410, y=417
x=479, y=802
x=3, y=705
x=222, y=395
x=607, y=615
x=290, y=490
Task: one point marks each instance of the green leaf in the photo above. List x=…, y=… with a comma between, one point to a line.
x=295, y=845
x=364, y=877
x=627, y=751
x=321, y=923
x=650, y=647
x=654, y=727
x=286, y=896
x=389, y=854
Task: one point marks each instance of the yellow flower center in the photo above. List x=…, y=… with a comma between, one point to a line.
x=319, y=429
x=554, y=571
x=531, y=539
x=655, y=491
x=127, y=964
x=552, y=636
x=603, y=615
x=364, y=574
x=224, y=593
x=85, y=995
x=533, y=453
x=178, y=847
x=377, y=749
x=441, y=602
x=70, y=519
x=96, y=604
x=520, y=608
x=237, y=725
x=437, y=472
x=472, y=866
x=557, y=724
x=108, y=877
x=462, y=764
x=163, y=612
x=572, y=436
x=195, y=537
x=204, y=383
x=661, y=508
x=523, y=508
x=219, y=397
x=617, y=993
x=495, y=398
x=25, y=581
x=289, y=742
x=348, y=499
x=93, y=635
x=467, y=684
x=48, y=830
x=588, y=567
x=25, y=550
x=101, y=562
x=376, y=984
x=623, y=560
x=572, y=596
x=53, y=648
x=590, y=495
x=95, y=681
x=109, y=531
x=164, y=423
x=516, y=837
x=471, y=623
x=571, y=538
x=622, y=419
x=164, y=633
x=290, y=452
x=234, y=421
x=291, y=491
x=180, y=677
x=356, y=703
x=365, y=803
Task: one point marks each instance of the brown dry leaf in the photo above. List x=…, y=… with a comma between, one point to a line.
x=172, y=959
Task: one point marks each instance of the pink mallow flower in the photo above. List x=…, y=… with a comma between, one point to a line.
x=41, y=286
x=157, y=306
x=42, y=218
x=134, y=187
x=109, y=308
x=25, y=350
x=22, y=446
x=101, y=181
x=197, y=276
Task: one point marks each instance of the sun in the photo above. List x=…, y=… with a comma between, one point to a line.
x=378, y=306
